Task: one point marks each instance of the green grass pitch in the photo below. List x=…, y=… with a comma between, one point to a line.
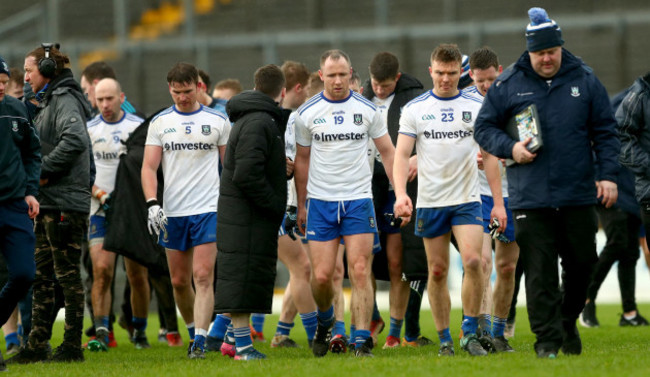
x=607, y=351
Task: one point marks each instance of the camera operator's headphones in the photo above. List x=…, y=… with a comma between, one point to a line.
x=47, y=65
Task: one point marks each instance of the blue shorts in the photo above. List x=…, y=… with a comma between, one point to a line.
x=382, y=223
x=488, y=203
x=185, y=232
x=329, y=220
x=434, y=222
x=96, y=230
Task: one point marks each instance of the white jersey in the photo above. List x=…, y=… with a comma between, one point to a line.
x=290, y=152
x=190, y=160
x=444, y=132
x=338, y=133
x=484, y=187
x=106, y=139
x=383, y=105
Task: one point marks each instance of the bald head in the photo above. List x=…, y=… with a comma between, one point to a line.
x=109, y=99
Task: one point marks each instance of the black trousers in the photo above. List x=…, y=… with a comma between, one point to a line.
x=622, y=230
x=645, y=218
x=519, y=272
x=412, y=316
x=544, y=235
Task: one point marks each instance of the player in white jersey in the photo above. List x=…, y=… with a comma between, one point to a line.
x=440, y=124
x=188, y=139
x=484, y=69
x=333, y=181
x=107, y=131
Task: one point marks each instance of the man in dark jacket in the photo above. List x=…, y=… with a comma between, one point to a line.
x=65, y=202
x=20, y=163
x=252, y=202
x=552, y=192
x=391, y=90
x=633, y=119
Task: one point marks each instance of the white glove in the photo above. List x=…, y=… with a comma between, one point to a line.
x=157, y=219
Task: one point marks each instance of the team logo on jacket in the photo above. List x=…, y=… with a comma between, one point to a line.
x=358, y=119
x=14, y=126
x=467, y=116
x=575, y=91
x=206, y=130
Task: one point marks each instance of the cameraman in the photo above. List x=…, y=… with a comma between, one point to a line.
x=65, y=202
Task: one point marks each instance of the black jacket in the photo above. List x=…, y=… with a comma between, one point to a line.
x=414, y=264
x=633, y=117
x=61, y=124
x=252, y=201
x=20, y=151
x=126, y=218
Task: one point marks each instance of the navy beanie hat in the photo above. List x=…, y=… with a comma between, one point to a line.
x=4, y=68
x=542, y=32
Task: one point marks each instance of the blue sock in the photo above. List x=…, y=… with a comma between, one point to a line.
x=199, y=339
x=139, y=323
x=230, y=334
x=283, y=328
x=360, y=337
x=219, y=327
x=309, y=322
x=353, y=333
x=487, y=321
x=190, y=330
x=498, y=326
x=102, y=321
x=21, y=331
x=395, y=327
x=12, y=339
x=258, y=321
x=375, y=313
x=106, y=321
x=339, y=328
x=243, y=338
x=469, y=325
x=444, y=336
x=327, y=317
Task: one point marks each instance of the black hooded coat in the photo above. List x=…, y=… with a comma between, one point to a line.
x=252, y=202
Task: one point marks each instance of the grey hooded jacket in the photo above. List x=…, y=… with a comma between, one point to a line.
x=61, y=124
